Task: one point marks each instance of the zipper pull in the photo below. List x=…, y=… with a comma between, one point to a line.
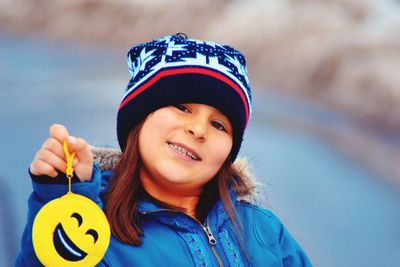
x=210, y=236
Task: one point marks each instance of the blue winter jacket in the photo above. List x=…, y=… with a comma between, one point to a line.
x=172, y=237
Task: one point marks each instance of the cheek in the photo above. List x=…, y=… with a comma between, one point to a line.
x=145, y=144
x=152, y=138
x=219, y=151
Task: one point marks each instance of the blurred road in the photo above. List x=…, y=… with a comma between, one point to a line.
x=341, y=213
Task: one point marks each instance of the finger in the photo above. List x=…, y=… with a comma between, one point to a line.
x=81, y=149
x=59, y=132
x=51, y=159
x=39, y=167
x=53, y=145
x=75, y=162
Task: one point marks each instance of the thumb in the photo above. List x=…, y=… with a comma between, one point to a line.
x=83, y=161
x=81, y=149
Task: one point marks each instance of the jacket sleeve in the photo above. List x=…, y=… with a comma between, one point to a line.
x=273, y=235
x=42, y=194
x=292, y=253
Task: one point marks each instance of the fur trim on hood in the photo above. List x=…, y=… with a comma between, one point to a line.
x=107, y=159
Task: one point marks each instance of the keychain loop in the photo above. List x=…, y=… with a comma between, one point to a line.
x=69, y=170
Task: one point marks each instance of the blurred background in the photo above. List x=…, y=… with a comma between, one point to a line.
x=324, y=138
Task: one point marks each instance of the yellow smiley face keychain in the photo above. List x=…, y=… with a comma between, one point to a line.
x=71, y=230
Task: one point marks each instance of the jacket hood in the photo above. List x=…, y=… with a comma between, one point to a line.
x=107, y=158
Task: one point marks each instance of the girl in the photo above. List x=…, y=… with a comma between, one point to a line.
x=174, y=195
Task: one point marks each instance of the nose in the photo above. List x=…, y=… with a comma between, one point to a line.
x=197, y=128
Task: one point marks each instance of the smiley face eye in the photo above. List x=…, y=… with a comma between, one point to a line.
x=77, y=217
x=93, y=233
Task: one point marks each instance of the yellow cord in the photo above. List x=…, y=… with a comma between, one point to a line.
x=69, y=171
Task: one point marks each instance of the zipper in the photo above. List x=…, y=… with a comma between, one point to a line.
x=210, y=236
x=212, y=242
x=206, y=228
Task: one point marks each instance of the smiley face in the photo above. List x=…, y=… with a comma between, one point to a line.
x=65, y=247
x=70, y=231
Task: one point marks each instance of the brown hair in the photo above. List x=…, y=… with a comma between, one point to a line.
x=125, y=191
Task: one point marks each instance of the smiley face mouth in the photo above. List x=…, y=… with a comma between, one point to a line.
x=65, y=247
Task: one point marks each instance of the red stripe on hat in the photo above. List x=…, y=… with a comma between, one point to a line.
x=170, y=72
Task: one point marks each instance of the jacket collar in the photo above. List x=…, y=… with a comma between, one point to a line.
x=215, y=217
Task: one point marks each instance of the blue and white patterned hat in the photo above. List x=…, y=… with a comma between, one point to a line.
x=176, y=70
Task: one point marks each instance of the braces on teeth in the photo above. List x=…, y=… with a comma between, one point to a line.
x=183, y=151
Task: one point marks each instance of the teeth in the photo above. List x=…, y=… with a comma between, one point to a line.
x=183, y=151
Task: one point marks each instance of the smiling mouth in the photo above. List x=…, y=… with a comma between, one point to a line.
x=184, y=151
x=65, y=247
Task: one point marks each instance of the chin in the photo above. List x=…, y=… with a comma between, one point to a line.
x=181, y=180
x=182, y=175
x=177, y=180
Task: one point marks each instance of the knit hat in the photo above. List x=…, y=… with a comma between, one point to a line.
x=176, y=70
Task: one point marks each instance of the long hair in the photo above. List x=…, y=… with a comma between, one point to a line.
x=126, y=190
x=123, y=196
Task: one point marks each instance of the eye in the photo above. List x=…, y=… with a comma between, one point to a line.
x=77, y=217
x=93, y=233
x=219, y=126
x=182, y=108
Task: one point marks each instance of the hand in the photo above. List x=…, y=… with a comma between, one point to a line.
x=50, y=158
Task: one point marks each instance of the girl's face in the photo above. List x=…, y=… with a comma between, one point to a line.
x=182, y=147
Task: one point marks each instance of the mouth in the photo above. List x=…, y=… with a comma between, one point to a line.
x=65, y=247
x=185, y=151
